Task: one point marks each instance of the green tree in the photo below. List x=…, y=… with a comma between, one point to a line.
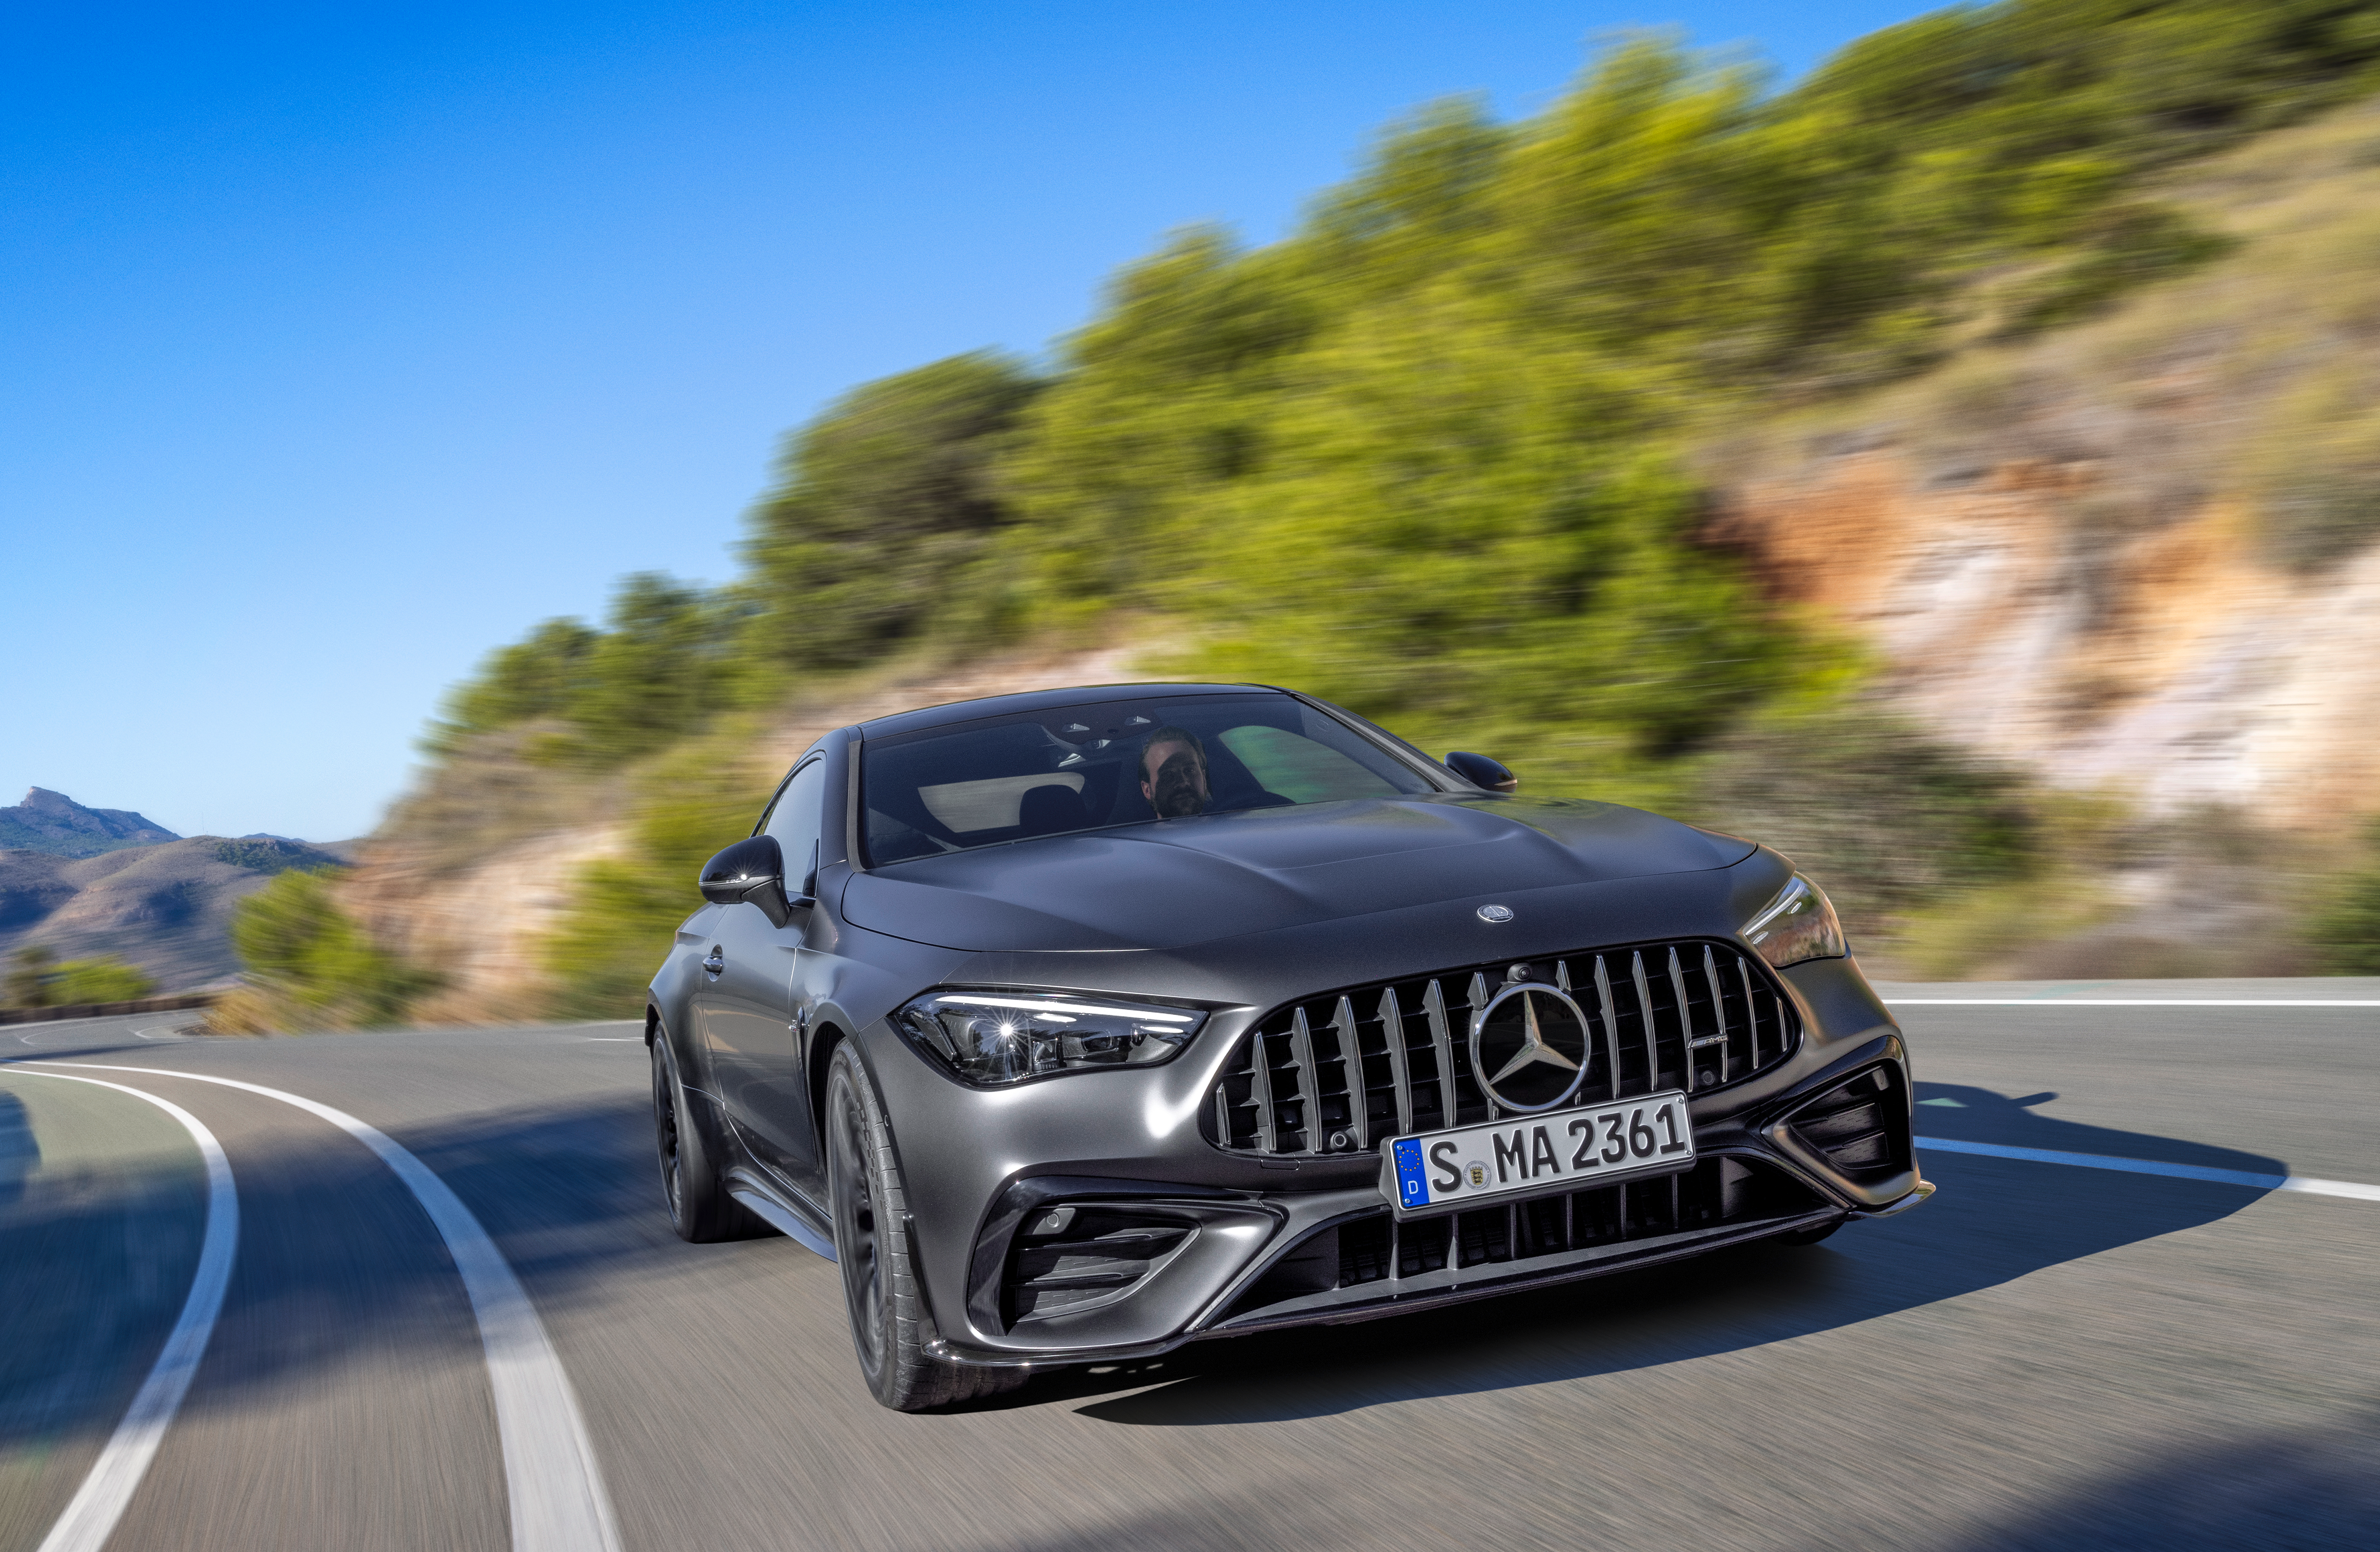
x=884, y=507
x=653, y=672
x=530, y=679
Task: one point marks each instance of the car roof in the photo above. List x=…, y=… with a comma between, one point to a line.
x=1041, y=700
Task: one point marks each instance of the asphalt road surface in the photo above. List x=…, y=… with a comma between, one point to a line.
x=2044, y=1356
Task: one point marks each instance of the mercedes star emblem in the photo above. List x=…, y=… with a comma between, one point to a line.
x=1529, y=1047
x=1495, y=913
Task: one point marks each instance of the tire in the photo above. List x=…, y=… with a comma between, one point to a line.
x=700, y=1207
x=889, y=1325
x=1811, y=1236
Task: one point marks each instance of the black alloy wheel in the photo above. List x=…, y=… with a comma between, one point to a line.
x=665, y=1136
x=700, y=1207
x=891, y=1327
x=851, y=1174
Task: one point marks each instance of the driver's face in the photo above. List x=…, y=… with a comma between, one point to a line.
x=1174, y=780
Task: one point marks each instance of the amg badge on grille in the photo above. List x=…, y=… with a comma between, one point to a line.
x=1495, y=913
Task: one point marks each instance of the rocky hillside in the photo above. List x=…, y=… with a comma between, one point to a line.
x=54, y=823
x=2138, y=554
x=165, y=908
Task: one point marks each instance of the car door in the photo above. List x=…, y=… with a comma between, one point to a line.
x=746, y=1007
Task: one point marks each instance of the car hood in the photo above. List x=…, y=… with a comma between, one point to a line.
x=1172, y=883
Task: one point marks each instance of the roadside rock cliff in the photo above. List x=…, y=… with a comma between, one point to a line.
x=2170, y=665
x=2141, y=554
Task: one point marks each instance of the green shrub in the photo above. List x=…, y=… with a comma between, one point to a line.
x=2131, y=244
x=102, y=979
x=1887, y=818
x=2348, y=930
x=32, y=970
x=698, y=799
x=310, y=965
x=38, y=979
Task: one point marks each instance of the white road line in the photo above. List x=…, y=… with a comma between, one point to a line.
x=92, y=1515
x=556, y=1491
x=2126, y=1002
x=2307, y=1183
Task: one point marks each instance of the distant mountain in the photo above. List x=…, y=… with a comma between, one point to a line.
x=53, y=822
x=166, y=908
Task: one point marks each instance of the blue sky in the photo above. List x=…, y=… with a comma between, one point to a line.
x=339, y=344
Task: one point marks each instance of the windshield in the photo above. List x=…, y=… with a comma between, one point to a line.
x=1113, y=762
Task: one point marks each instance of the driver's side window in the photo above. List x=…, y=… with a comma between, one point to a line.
x=796, y=823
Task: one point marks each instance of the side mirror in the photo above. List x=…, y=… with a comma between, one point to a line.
x=1481, y=771
x=751, y=871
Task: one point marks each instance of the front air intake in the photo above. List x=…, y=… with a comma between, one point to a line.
x=1069, y=1257
x=1860, y=1126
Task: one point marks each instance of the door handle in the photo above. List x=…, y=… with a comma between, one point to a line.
x=716, y=963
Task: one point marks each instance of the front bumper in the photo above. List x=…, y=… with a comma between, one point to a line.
x=1172, y=1241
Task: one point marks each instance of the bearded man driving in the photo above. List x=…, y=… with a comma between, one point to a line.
x=1173, y=773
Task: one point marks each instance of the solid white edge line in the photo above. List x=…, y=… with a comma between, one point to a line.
x=2307, y=1183
x=556, y=1492
x=2124, y=1002
x=91, y=1516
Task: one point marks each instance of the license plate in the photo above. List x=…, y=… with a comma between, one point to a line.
x=1568, y=1150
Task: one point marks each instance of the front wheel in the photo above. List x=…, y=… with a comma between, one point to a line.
x=889, y=1325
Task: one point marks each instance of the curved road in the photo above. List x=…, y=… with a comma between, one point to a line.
x=2044, y=1356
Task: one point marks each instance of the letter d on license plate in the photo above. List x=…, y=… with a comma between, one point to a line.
x=1567, y=1150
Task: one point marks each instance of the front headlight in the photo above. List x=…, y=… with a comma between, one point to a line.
x=993, y=1036
x=1798, y=923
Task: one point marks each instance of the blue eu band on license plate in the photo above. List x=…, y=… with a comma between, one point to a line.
x=1410, y=1190
x=1571, y=1149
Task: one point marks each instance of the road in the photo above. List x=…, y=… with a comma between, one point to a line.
x=2041, y=1356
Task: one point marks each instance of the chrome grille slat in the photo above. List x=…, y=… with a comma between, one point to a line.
x=1645, y=1017
x=1392, y=1031
x=1685, y=1019
x=1279, y=1095
x=1611, y=1025
x=1309, y=1082
x=1442, y=1046
x=1350, y=1072
x=1267, y=1140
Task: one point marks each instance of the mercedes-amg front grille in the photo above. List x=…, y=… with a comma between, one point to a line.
x=1339, y=1073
